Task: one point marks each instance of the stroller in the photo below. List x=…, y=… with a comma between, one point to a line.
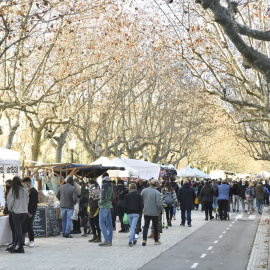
x=228, y=214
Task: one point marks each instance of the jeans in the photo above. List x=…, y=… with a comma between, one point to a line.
x=132, y=220
x=66, y=220
x=18, y=220
x=183, y=216
x=146, y=226
x=250, y=205
x=235, y=202
x=105, y=214
x=174, y=210
x=215, y=204
x=243, y=203
x=259, y=204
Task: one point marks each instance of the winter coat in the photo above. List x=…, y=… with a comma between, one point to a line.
x=121, y=193
x=133, y=202
x=94, y=197
x=33, y=201
x=174, y=198
x=18, y=205
x=224, y=192
x=140, y=188
x=83, y=206
x=259, y=191
x=107, y=195
x=67, y=195
x=207, y=194
x=152, y=202
x=186, y=196
x=235, y=189
x=175, y=187
x=242, y=191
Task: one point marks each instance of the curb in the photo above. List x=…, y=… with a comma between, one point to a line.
x=259, y=256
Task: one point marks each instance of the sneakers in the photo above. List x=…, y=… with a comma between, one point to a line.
x=84, y=235
x=105, y=244
x=182, y=224
x=68, y=236
x=144, y=243
x=136, y=236
x=189, y=225
x=130, y=244
x=260, y=212
x=169, y=223
x=135, y=242
x=157, y=243
x=31, y=244
x=174, y=218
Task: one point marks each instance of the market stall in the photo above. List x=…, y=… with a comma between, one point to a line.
x=128, y=172
x=9, y=167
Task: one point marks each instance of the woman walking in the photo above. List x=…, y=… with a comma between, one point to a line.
x=133, y=205
x=207, y=194
x=169, y=200
x=17, y=201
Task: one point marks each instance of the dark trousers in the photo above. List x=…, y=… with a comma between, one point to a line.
x=169, y=212
x=94, y=222
x=76, y=225
x=30, y=227
x=183, y=216
x=114, y=211
x=266, y=201
x=147, y=220
x=121, y=213
x=223, y=208
x=11, y=224
x=208, y=208
x=18, y=220
x=139, y=224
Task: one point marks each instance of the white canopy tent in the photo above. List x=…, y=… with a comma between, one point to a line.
x=147, y=170
x=129, y=172
x=200, y=174
x=186, y=172
x=10, y=165
x=104, y=161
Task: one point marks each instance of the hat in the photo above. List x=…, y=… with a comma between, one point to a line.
x=250, y=184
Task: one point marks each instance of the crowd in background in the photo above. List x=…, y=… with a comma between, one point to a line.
x=151, y=201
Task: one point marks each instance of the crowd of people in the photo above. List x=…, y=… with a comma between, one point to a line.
x=153, y=201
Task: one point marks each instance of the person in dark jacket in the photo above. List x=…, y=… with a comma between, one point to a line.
x=83, y=212
x=94, y=197
x=133, y=207
x=207, y=195
x=242, y=194
x=235, y=196
x=121, y=193
x=186, y=196
x=32, y=208
x=176, y=189
x=140, y=188
x=67, y=195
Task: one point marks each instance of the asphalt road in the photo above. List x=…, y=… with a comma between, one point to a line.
x=218, y=245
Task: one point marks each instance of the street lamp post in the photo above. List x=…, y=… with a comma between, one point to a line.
x=145, y=156
x=72, y=147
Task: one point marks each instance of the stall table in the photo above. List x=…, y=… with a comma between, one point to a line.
x=5, y=231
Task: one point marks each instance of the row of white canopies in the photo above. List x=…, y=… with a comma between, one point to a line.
x=144, y=169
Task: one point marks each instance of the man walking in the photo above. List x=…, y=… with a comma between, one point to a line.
x=224, y=193
x=67, y=195
x=152, y=210
x=105, y=205
x=186, y=196
x=32, y=208
x=259, y=191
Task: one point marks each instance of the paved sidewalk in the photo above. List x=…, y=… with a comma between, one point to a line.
x=259, y=257
x=78, y=253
